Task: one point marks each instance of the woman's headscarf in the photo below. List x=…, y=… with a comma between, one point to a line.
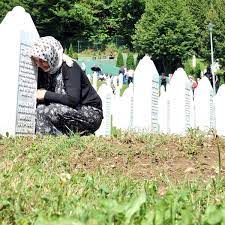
x=50, y=50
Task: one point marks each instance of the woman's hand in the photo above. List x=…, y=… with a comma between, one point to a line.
x=40, y=94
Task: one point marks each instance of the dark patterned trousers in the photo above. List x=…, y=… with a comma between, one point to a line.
x=58, y=119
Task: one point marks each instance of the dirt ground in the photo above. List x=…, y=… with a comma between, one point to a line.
x=175, y=160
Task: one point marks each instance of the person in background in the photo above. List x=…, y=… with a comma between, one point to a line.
x=66, y=101
x=193, y=82
x=123, y=71
x=209, y=75
x=130, y=76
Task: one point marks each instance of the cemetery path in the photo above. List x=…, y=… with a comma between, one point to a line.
x=176, y=160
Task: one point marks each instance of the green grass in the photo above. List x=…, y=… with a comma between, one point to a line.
x=39, y=184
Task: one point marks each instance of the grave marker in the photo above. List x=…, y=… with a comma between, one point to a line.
x=220, y=110
x=180, y=102
x=164, y=110
x=105, y=93
x=125, y=109
x=204, y=105
x=146, y=95
x=18, y=76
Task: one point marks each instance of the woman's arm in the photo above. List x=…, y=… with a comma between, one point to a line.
x=72, y=82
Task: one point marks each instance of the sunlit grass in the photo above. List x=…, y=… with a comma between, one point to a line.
x=40, y=184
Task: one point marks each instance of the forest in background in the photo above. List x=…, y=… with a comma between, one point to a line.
x=171, y=31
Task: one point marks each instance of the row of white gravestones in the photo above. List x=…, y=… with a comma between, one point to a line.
x=18, y=76
x=178, y=111
x=137, y=109
x=174, y=112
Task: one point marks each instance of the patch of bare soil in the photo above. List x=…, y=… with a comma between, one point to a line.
x=176, y=160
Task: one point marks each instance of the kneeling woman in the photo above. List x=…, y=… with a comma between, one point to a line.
x=67, y=102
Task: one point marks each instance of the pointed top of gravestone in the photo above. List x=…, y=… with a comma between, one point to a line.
x=204, y=83
x=145, y=70
x=18, y=9
x=179, y=74
x=104, y=90
x=19, y=19
x=221, y=91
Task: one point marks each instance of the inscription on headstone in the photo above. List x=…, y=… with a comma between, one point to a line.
x=105, y=93
x=27, y=85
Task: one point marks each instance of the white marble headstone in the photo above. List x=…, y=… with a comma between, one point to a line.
x=180, y=102
x=116, y=107
x=146, y=95
x=220, y=110
x=204, y=105
x=105, y=93
x=120, y=80
x=115, y=81
x=125, y=109
x=109, y=82
x=164, y=110
x=95, y=80
x=18, y=76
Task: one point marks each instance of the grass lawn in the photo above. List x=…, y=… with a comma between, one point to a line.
x=124, y=179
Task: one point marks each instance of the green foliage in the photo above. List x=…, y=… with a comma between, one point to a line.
x=130, y=61
x=166, y=32
x=119, y=60
x=170, y=31
x=200, y=66
x=70, y=51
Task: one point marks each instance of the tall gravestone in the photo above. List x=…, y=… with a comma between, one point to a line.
x=116, y=107
x=120, y=80
x=146, y=95
x=164, y=110
x=180, y=102
x=204, y=105
x=18, y=76
x=220, y=110
x=95, y=80
x=105, y=93
x=125, y=109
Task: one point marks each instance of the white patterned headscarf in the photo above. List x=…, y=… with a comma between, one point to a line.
x=50, y=50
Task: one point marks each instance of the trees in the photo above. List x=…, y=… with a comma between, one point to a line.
x=130, y=61
x=119, y=60
x=167, y=32
x=217, y=17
